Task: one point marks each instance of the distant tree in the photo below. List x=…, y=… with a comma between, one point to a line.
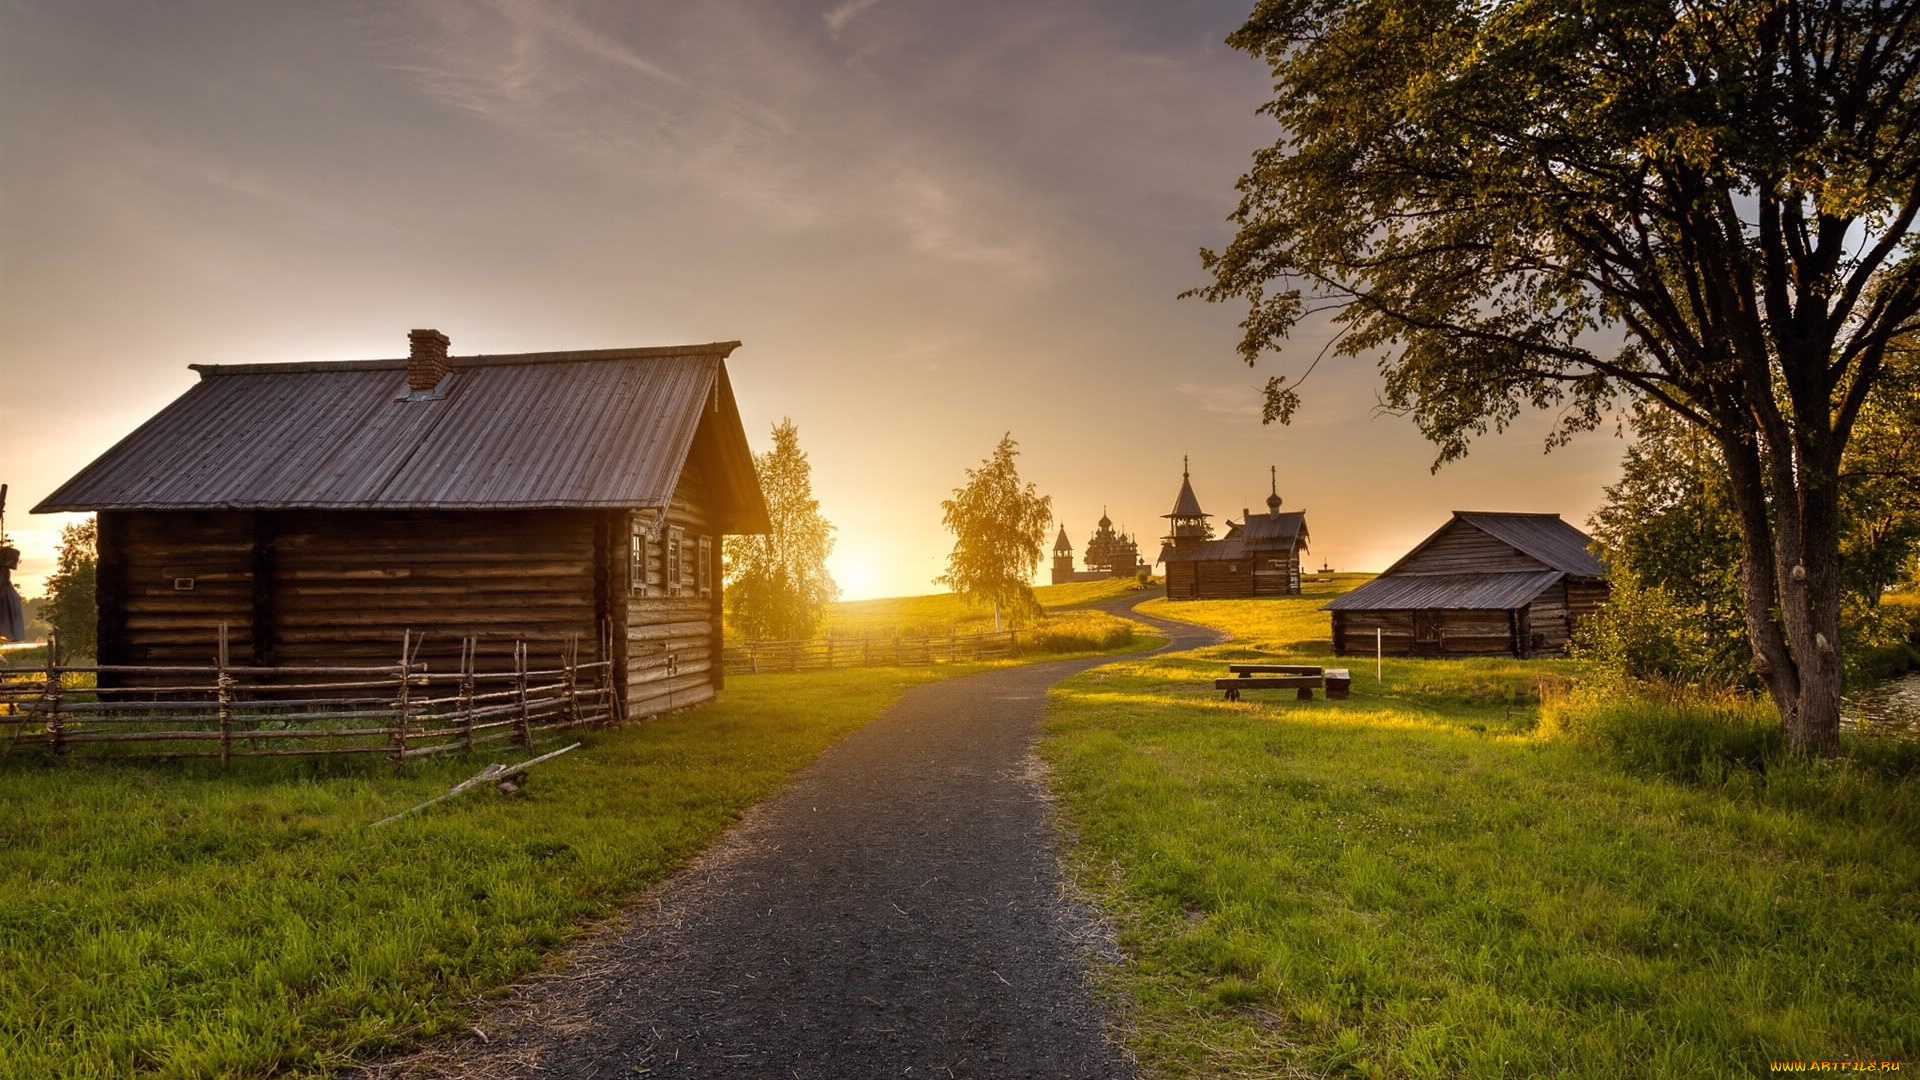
x=778, y=587
x=999, y=528
x=69, y=605
x=1551, y=203
x=1880, y=484
x=1671, y=537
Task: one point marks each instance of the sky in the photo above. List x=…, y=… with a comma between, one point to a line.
x=930, y=224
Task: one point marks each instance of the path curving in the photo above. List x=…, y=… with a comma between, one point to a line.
x=897, y=911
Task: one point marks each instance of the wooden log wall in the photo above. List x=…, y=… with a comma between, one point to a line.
x=1461, y=548
x=332, y=588
x=168, y=580
x=1547, y=622
x=347, y=583
x=1454, y=633
x=673, y=642
x=1277, y=573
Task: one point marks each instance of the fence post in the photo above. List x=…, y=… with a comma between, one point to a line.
x=406, y=689
x=953, y=644
x=1013, y=642
x=525, y=735
x=793, y=656
x=56, y=728
x=469, y=646
x=753, y=657
x=223, y=698
x=829, y=652
x=571, y=661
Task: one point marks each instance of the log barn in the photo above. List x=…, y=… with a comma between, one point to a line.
x=569, y=500
x=1259, y=556
x=1482, y=585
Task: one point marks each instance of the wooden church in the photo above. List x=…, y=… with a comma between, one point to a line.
x=568, y=500
x=1259, y=556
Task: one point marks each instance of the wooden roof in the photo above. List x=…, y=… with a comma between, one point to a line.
x=610, y=428
x=1448, y=592
x=1543, y=536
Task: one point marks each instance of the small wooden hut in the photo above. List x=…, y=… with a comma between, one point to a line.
x=320, y=510
x=1482, y=585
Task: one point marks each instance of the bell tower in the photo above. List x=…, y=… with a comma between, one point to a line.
x=1062, y=558
x=1189, y=521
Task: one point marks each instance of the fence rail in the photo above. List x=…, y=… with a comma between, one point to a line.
x=827, y=654
x=401, y=710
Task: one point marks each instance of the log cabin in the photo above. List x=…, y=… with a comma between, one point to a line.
x=1482, y=585
x=318, y=511
x=1259, y=556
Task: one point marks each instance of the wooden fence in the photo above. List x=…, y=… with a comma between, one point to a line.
x=827, y=654
x=222, y=710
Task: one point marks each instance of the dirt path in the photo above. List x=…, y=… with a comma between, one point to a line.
x=897, y=911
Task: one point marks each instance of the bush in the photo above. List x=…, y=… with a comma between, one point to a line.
x=1643, y=632
x=1681, y=734
x=1077, y=631
x=1882, y=643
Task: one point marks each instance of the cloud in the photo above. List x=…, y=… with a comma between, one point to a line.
x=838, y=18
x=747, y=116
x=1236, y=401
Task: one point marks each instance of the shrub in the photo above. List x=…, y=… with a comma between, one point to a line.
x=1682, y=734
x=1077, y=631
x=1644, y=632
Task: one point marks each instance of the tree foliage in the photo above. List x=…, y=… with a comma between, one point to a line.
x=999, y=528
x=778, y=587
x=70, y=605
x=1550, y=203
x=1671, y=539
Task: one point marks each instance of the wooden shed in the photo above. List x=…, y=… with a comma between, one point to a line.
x=569, y=500
x=1482, y=585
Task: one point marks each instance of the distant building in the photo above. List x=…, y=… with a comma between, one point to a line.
x=1481, y=585
x=1259, y=556
x=1110, y=554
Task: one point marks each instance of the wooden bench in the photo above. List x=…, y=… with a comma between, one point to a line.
x=1274, y=669
x=1302, y=683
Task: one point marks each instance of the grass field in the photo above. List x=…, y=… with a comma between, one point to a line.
x=1419, y=883
x=170, y=921
x=943, y=613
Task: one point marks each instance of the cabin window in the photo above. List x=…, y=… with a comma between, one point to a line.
x=637, y=557
x=674, y=537
x=703, y=570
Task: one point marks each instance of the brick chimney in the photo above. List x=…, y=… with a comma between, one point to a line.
x=426, y=360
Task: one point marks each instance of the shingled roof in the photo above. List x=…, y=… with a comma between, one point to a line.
x=610, y=428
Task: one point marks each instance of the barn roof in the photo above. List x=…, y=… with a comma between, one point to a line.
x=1455, y=592
x=610, y=428
x=1543, y=536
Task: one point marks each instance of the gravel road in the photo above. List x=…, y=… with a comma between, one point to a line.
x=897, y=911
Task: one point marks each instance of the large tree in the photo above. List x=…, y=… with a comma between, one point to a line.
x=1549, y=203
x=999, y=526
x=778, y=587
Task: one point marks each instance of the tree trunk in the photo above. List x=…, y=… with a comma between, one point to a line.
x=1790, y=581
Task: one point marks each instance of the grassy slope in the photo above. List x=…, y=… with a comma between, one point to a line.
x=171, y=921
x=940, y=613
x=1411, y=884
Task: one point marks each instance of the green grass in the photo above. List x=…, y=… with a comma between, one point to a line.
x=944, y=613
x=171, y=921
x=1418, y=883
